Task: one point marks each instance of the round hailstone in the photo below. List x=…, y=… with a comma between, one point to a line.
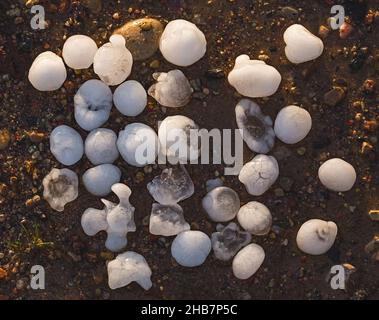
x=130, y=98
x=99, y=180
x=316, y=236
x=113, y=61
x=100, y=146
x=47, y=72
x=255, y=218
x=292, y=124
x=66, y=145
x=182, y=43
x=191, y=248
x=337, y=175
x=78, y=51
x=93, y=104
x=301, y=44
x=138, y=144
x=247, y=261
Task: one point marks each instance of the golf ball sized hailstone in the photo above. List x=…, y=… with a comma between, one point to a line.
x=130, y=98
x=78, y=51
x=337, y=175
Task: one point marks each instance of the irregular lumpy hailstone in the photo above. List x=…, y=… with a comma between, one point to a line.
x=337, y=175
x=100, y=146
x=78, y=51
x=130, y=98
x=254, y=78
x=247, y=261
x=182, y=43
x=99, y=180
x=255, y=218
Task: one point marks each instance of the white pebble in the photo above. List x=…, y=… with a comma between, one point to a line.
x=99, y=180
x=130, y=98
x=337, y=175
x=247, y=261
x=255, y=218
x=100, y=146
x=78, y=51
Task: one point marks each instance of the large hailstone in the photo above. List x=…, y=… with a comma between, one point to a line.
x=259, y=174
x=99, y=180
x=78, y=51
x=301, y=44
x=337, y=175
x=130, y=98
x=316, y=236
x=66, y=145
x=182, y=43
x=47, y=72
x=93, y=104
x=254, y=78
x=113, y=61
x=138, y=144
x=100, y=146
x=247, y=261
x=255, y=218
x=256, y=127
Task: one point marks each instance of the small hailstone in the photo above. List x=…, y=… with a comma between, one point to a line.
x=259, y=174
x=301, y=44
x=228, y=240
x=247, y=261
x=113, y=61
x=93, y=103
x=130, y=98
x=172, y=89
x=60, y=186
x=78, y=51
x=191, y=248
x=100, y=146
x=316, y=236
x=337, y=175
x=255, y=218
x=138, y=144
x=254, y=78
x=47, y=72
x=182, y=43
x=221, y=204
x=213, y=184
x=66, y=145
x=99, y=180
x=128, y=267
x=255, y=126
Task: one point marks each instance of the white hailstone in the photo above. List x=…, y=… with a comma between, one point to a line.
x=172, y=89
x=191, y=248
x=316, y=236
x=60, y=186
x=93, y=104
x=301, y=44
x=100, y=146
x=66, y=145
x=47, y=72
x=138, y=144
x=292, y=124
x=128, y=267
x=99, y=180
x=174, y=138
x=337, y=175
x=259, y=174
x=255, y=218
x=221, y=204
x=113, y=61
x=254, y=78
x=255, y=126
x=182, y=43
x=247, y=261
x=78, y=51
x=130, y=98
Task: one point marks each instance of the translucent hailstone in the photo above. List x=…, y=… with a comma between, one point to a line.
x=172, y=89
x=93, y=104
x=99, y=180
x=256, y=127
x=301, y=44
x=221, y=204
x=100, y=146
x=182, y=43
x=113, y=61
x=191, y=248
x=47, y=72
x=316, y=236
x=78, y=51
x=66, y=145
x=138, y=144
x=128, y=267
x=60, y=186
x=255, y=218
x=228, y=240
x=337, y=175
x=213, y=183
x=254, y=78
x=247, y=261
x=130, y=98
x=259, y=174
